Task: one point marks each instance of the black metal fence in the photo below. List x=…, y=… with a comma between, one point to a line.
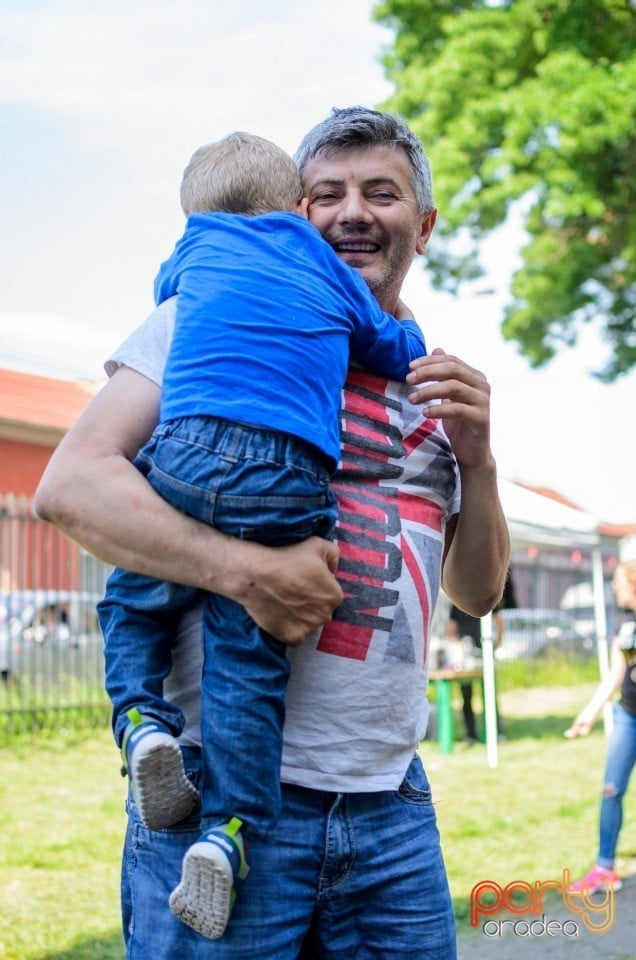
x=51, y=649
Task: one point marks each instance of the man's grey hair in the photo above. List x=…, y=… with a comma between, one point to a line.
x=350, y=127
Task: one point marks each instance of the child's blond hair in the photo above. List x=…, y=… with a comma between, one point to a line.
x=241, y=173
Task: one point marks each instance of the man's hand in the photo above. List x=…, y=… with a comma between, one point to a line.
x=459, y=395
x=477, y=546
x=293, y=589
x=92, y=491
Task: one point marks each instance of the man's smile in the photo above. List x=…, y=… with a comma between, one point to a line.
x=346, y=245
x=357, y=247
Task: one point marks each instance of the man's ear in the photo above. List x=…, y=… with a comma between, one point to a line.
x=303, y=208
x=426, y=229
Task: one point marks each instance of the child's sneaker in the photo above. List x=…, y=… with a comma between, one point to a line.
x=154, y=763
x=205, y=896
x=597, y=880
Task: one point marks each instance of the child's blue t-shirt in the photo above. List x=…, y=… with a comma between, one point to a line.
x=268, y=319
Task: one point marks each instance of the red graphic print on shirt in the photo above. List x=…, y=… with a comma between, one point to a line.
x=393, y=488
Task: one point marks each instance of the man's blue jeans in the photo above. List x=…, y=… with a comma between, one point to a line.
x=619, y=763
x=253, y=484
x=348, y=877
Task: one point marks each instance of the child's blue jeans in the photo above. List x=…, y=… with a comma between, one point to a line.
x=257, y=485
x=350, y=875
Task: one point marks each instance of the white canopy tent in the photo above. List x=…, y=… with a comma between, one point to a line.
x=535, y=520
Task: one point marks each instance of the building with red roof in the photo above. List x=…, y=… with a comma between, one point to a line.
x=35, y=413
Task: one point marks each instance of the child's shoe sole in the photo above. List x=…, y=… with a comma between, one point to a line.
x=204, y=898
x=162, y=792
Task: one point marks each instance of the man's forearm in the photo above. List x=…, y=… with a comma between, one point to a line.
x=110, y=509
x=143, y=533
x=92, y=491
x=478, y=557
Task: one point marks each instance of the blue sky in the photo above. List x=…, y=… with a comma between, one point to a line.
x=101, y=106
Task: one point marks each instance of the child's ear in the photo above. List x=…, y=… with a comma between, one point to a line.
x=303, y=208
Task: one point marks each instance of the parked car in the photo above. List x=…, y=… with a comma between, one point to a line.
x=578, y=603
x=534, y=633
x=32, y=619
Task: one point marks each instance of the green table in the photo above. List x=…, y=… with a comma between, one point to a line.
x=443, y=680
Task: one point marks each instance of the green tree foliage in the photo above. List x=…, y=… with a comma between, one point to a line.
x=530, y=102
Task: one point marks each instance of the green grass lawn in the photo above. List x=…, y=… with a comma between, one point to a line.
x=61, y=804
x=536, y=813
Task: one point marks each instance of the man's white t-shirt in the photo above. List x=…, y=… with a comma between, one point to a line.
x=356, y=705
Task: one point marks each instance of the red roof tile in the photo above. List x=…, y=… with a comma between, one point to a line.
x=41, y=401
x=551, y=495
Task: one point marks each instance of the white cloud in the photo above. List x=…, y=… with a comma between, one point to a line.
x=105, y=104
x=53, y=346
x=183, y=72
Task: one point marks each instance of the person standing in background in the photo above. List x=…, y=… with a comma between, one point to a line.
x=463, y=627
x=621, y=746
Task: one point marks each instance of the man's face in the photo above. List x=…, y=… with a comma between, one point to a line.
x=362, y=202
